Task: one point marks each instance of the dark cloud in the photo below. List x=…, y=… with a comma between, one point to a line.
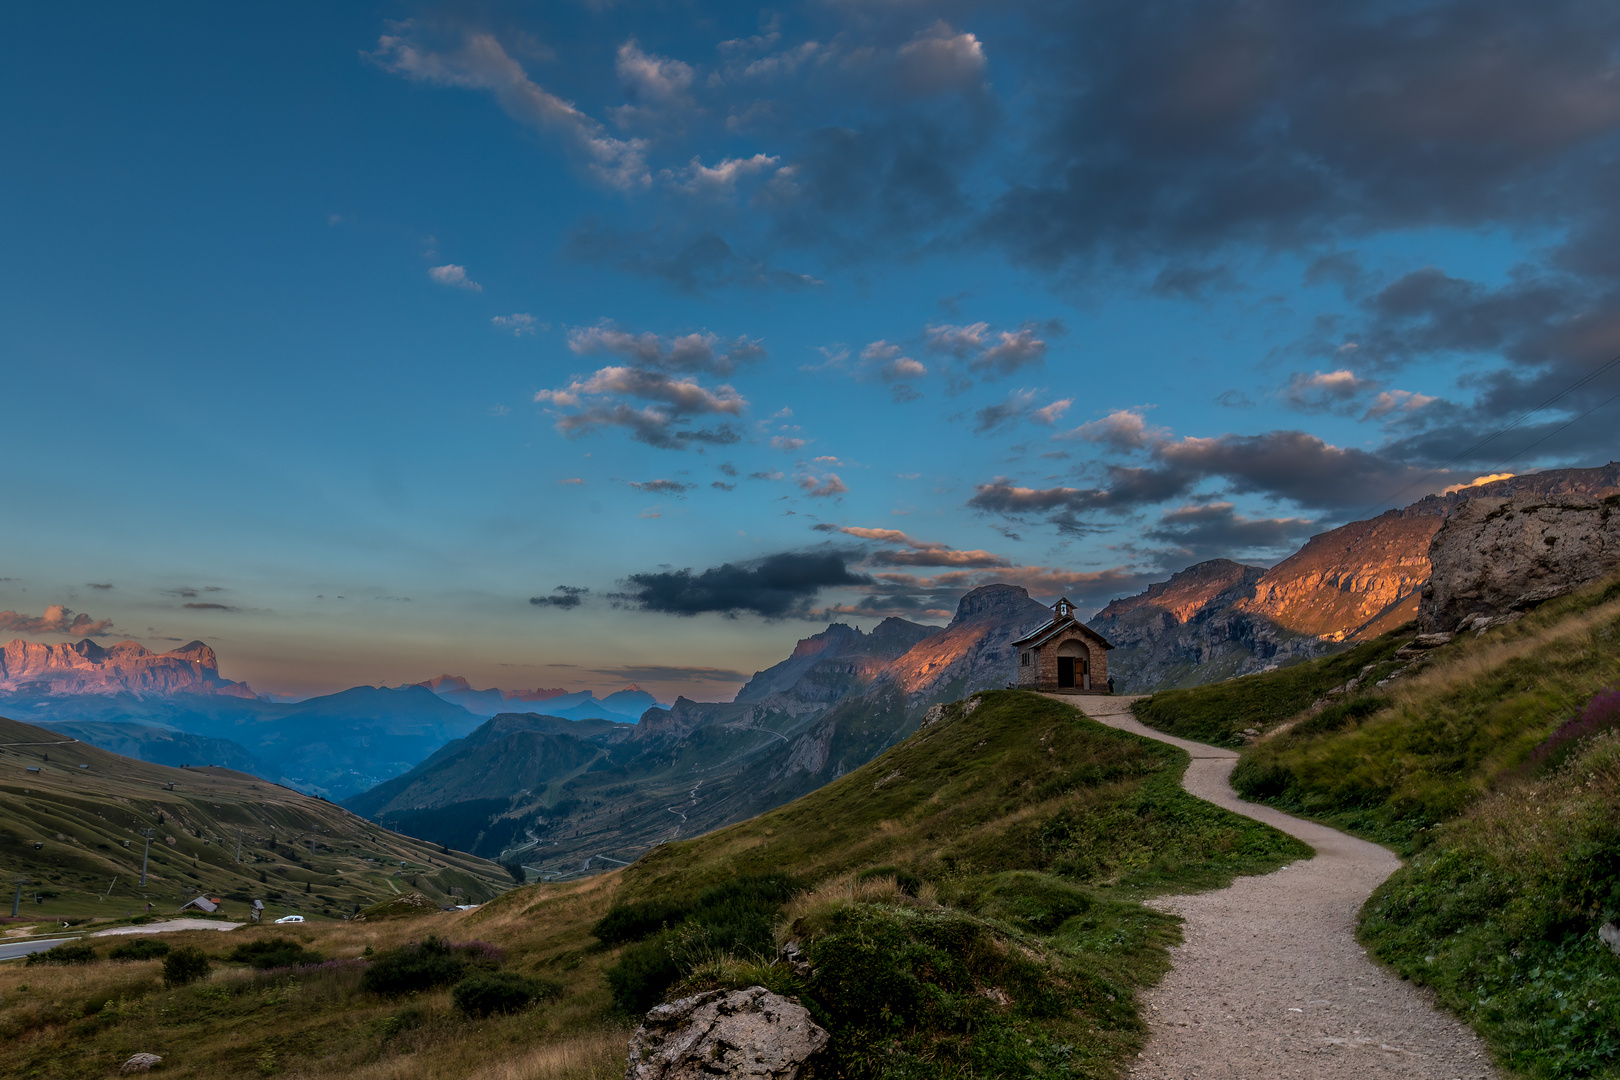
x=661, y=487
x=728, y=469
x=721, y=485
x=1216, y=530
x=776, y=586
x=208, y=607
x=95, y=585
x=1190, y=126
x=57, y=619
x=568, y=596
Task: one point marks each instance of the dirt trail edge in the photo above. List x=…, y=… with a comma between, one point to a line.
x=1269, y=982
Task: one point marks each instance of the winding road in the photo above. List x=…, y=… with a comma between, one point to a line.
x=1269, y=983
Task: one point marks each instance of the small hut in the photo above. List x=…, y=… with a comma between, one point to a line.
x=205, y=904
x=1065, y=656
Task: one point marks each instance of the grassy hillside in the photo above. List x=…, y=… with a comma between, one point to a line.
x=971, y=907
x=1493, y=762
x=85, y=809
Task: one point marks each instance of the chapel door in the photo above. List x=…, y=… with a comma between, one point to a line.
x=1065, y=672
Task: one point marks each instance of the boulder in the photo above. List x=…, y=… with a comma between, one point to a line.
x=736, y=1033
x=140, y=1063
x=1494, y=557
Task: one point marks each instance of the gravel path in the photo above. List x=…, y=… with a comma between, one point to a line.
x=1269, y=982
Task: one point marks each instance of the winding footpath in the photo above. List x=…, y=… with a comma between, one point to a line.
x=1269, y=983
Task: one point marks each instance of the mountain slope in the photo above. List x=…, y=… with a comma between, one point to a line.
x=1215, y=620
x=83, y=805
x=697, y=766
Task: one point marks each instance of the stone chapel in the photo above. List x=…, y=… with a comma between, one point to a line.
x=1065, y=656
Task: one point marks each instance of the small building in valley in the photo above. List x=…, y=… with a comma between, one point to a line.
x=1064, y=656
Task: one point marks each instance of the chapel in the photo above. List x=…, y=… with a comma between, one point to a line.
x=1065, y=656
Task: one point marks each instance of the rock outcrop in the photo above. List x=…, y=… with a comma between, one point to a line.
x=1497, y=556
x=128, y=667
x=1219, y=619
x=973, y=653
x=740, y=1033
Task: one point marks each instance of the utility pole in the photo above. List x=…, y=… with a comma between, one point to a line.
x=148, y=833
x=16, y=905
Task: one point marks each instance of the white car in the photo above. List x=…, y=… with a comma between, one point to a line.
x=289, y=918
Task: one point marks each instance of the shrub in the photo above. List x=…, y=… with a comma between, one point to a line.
x=905, y=880
x=632, y=922
x=644, y=971
x=735, y=918
x=1601, y=714
x=274, y=952
x=418, y=966
x=140, y=949
x=488, y=993
x=72, y=952
x=185, y=965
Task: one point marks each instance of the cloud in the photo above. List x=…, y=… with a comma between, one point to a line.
x=477, y=61
x=568, y=597
x=520, y=323
x=572, y=480
x=824, y=486
x=1020, y=405
x=890, y=365
x=1324, y=391
x=697, y=352
x=205, y=606
x=777, y=586
x=721, y=485
x=57, y=619
x=720, y=179
x=788, y=443
x=454, y=276
x=940, y=59
x=988, y=352
x=102, y=586
x=1489, y=478
x=1216, y=530
x=587, y=404
x=921, y=552
x=1123, y=430
x=661, y=487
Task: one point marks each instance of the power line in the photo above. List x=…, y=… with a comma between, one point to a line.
x=1571, y=388
x=1550, y=434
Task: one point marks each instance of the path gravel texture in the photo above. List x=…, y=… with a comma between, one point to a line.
x=1269, y=983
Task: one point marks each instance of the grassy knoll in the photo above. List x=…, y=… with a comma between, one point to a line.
x=217, y=832
x=968, y=903
x=1494, y=766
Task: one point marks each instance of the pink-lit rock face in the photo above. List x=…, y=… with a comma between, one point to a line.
x=125, y=668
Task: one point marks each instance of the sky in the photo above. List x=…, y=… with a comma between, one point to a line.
x=586, y=343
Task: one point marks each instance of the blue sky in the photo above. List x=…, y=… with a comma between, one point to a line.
x=336, y=336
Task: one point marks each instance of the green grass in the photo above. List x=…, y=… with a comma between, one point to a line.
x=1499, y=913
x=1025, y=834
x=1515, y=853
x=1219, y=713
x=1421, y=752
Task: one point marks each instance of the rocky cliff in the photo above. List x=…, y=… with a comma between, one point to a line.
x=1218, y=619
x=1497, y=556
x=125, y=668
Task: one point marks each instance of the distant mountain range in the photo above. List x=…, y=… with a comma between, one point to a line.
x=566, y=798
x=565, y=779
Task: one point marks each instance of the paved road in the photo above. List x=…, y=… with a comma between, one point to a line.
x=1269, y=982
x=12, y=949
